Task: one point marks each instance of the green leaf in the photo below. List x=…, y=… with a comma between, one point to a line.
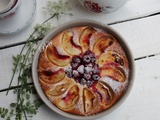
x=13, y=104
x=22, y=63
x=27, y=96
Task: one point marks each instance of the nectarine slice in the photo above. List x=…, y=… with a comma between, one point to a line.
x=71, y=98
x=102, y=44
x=110, y=56
x=90, y=100
x=51, y=77
x=85, y=38
x=59, y=89
x=56, y=58
x=68, y=44
x=105, y=92
x=114, y=72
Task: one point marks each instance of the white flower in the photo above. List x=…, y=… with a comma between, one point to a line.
x=59, y=7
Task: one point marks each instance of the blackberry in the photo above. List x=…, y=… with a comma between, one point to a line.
x=95, y=77
x=89, y=83
x=83, y=81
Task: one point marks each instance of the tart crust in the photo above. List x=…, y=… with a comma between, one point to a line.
x=74, y=97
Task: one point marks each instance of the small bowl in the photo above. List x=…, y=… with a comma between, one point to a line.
x=6, y=5
x=76, y=23
x=102, y=6
x=12, y=11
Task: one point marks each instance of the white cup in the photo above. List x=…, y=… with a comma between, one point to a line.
x=12, y=10
x=102, y=6
x=6, y=5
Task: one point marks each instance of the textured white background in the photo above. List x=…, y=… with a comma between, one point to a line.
x=142, y=33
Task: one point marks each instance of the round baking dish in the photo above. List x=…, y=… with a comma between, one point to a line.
x=76, y=23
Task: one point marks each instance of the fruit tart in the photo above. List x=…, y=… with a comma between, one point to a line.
x=83, y=70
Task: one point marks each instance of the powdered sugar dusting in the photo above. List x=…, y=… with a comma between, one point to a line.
x=115, y=85
x=79, y=105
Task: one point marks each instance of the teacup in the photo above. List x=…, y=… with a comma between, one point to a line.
x=102, y=6
x=6, y=5
x=12, y=10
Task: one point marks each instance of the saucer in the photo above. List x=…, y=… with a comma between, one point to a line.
x=22, y=18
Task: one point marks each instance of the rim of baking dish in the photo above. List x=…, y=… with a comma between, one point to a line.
x=75, y=23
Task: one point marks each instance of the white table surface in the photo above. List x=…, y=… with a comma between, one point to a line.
x=138, y=21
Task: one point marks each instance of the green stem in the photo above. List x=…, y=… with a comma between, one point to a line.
x=28, y=40
x=18, y=63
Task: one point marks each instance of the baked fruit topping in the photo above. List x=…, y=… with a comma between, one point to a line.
x=83, y=70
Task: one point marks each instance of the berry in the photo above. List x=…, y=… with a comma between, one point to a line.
x=95, y=77
x=86, y=59
x=88, y=69
x=80, y=69
x=89, y=83
x=83, y=81
x=96, y=69
x=87, y=76
x=93, y=59
x=75, y=73
x=69, y=73
x=84, y=69
x=74, y=65
x=76, y=59
x=89, y=65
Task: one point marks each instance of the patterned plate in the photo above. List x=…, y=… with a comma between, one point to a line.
x=20, y=20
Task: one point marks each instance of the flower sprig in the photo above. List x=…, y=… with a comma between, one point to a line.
x=25, y=106
x=59, y=7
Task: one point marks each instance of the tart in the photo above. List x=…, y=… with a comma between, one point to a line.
x=83, y=70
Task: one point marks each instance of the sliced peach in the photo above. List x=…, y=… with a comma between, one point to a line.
x=51, y=77
x=105, y=92
x=85, y=38
x=56, y=58
x=114, y=72
x=45, y=86
x=110, y=56
x=44, y=63
x=59, y=89
x=71, y=99
x=90, y=100
x=102, y=44
x=68, y=44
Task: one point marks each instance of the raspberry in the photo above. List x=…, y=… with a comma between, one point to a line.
x=76, y=59
x=75, y=73
x=74, y=65
x=69, y=73
x=86, y=59
x=87, y=76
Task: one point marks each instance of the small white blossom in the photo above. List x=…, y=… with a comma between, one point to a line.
x=58, y=7
x=43, y=28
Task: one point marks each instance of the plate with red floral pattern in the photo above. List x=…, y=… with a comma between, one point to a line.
x=20, y=20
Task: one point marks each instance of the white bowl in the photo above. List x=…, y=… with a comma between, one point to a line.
x=102, y=6
x=6, y=5
x=12, y=11
x=71, y=24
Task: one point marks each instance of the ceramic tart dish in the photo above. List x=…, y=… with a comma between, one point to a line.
x=83, y=70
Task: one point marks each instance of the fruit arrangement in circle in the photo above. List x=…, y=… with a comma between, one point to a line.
x=83, y=70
